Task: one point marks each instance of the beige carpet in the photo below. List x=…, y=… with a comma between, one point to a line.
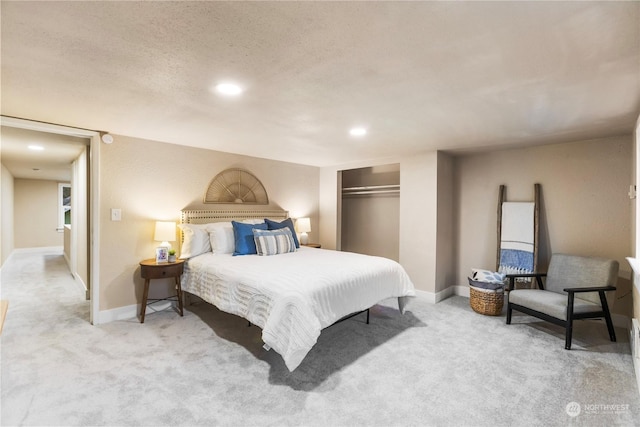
x=440, y=365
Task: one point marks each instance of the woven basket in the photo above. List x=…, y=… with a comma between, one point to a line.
x=486, y=301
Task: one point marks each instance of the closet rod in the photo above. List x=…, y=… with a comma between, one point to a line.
x=372, y=187
x=349, y=193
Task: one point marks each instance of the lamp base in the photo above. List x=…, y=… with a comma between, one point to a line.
x=304, y=238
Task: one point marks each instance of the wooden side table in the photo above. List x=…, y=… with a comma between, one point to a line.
x=312, y=245
x=150, y=269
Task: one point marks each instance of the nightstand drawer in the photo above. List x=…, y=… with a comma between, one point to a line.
x=161, y=270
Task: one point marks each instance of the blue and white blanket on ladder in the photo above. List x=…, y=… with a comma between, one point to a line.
x=516, y=238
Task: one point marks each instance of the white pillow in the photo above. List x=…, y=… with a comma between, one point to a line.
x=253, y=221
x=195, y=240
x=221, y=237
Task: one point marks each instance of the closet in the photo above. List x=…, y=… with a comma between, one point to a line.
x=370, y=210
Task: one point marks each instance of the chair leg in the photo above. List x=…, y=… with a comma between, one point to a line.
x=607, y=316
x=569, y=325
x=509, y=309
x=568, y=333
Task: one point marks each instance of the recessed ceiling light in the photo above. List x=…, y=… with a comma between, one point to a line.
x=358, y=132
x=36, y=147
x=228, y=89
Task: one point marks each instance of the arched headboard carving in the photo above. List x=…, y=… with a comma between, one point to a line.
x=236, y=186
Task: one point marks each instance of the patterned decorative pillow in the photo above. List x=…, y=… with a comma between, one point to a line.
x=487, y=276
x=274, y=242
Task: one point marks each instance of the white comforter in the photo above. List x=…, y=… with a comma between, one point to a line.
x=293, y=296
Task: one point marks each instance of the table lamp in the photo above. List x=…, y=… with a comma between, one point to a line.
x=303, y=225
x=165, y=233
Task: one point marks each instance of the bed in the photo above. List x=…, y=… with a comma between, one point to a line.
x=291, y=296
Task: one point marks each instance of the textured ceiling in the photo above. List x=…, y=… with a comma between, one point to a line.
x=419, y=75
x=52, y=163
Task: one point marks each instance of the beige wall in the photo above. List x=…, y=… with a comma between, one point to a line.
x=418, y=219
x=329, y=199
x=6, y=214
x=445, y=247
x=585, y=208
x=153, y=181
x=36, y=214
x=66, y=249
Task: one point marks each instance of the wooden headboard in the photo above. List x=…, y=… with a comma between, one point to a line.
x=207, y=216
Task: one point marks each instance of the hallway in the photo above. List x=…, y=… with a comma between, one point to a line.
x=39, y=284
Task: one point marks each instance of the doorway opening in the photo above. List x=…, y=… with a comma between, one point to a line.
x=83, y=215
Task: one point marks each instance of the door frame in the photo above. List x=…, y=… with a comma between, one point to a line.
x=94, y=198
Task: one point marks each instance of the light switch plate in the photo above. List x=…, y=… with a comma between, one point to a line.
x=116, y=214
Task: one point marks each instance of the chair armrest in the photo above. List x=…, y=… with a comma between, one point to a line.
x=596, y=289
x=513, y=277
x=526, y=275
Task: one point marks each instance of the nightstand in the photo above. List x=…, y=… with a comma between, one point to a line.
x=150, y=269
x=311, y=245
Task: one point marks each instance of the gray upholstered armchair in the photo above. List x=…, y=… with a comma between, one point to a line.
x=575, y=289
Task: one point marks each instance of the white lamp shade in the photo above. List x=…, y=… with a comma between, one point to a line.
x=165, y=231
x=303, y=225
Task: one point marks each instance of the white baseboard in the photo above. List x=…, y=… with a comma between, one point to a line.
x=436, y=297
x=80, y=282
x=129, y=312
x=429, y=296
x=120, y=313
x=462, y=291
x=444, y=294
x=40, y=250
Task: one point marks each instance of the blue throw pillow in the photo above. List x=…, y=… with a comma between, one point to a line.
x=243, y=236
x=274, y=225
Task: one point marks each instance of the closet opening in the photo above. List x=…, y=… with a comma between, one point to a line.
x=370, y=211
